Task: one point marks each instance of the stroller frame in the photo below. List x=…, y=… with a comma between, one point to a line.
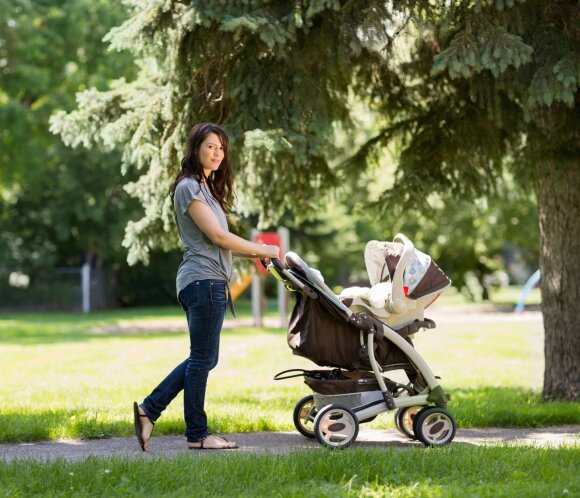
x=420, y=416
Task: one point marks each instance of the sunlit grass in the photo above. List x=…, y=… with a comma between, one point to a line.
x=473, y=352
x=60, y=378
x=504, y=297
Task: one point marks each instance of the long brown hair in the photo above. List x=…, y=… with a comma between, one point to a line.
x=220, y=183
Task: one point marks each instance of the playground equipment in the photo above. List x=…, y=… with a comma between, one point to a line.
x=238, y=287
x=529, y=285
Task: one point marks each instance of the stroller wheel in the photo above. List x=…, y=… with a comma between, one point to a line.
x=304, y=414
x=404, y=418
x=336, y=426
x=434, y=426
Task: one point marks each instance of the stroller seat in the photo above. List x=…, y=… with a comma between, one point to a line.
x=404, y=281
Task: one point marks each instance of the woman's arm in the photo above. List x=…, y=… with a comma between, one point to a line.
x=207, y=222
x=243, y=255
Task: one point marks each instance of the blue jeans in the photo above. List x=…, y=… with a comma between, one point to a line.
x=204, y=303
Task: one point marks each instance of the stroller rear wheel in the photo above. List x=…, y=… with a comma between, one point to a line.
x=336, y=426
x=404, y=418
x=304, y=414
x=434, y=426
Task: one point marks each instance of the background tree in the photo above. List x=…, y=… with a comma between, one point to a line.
x=61, y=207
x=490, y=86
x=466, y=89
x=58, y=206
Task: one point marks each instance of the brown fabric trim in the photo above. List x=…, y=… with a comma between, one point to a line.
x=349, y=382
x=433, y=281
x=321, y=333
x=332, y=382
x=347, y=301
x=392, y=258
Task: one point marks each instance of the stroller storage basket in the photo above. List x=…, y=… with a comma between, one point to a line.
x=334, y=382
x=352, y=400
x=328, y=382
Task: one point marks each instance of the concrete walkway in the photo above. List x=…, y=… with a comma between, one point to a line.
x=277, y=443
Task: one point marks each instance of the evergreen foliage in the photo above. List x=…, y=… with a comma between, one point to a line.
x=488, y=90
x=276, y=74
x=476, y=78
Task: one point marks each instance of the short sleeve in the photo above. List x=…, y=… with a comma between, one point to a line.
x=186, y=192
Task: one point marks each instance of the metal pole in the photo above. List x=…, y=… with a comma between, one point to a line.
x=256, y=300
x=86, y=287
x=256, y=293
x=282, y=294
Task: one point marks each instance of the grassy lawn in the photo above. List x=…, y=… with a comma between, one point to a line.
x=454, y=471
x=61, y=378
x=70, y=375
x=501, y=297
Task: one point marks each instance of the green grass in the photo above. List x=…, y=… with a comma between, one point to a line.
x=67, y=375
x=61, y=378
x=459, y=470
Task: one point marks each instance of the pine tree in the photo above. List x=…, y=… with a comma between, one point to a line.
x=469, y=90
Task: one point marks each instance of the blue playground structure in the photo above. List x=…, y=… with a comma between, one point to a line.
x=529, y=285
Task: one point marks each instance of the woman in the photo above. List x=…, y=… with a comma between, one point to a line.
x=202, y=196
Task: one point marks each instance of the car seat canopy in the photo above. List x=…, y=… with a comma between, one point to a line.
x=422, y=276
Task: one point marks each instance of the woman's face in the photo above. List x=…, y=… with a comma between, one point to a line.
x=211, y=153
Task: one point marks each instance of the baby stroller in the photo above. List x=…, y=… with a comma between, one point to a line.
x=363, y=334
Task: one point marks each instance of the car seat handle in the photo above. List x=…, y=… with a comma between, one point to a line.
x=396, y=302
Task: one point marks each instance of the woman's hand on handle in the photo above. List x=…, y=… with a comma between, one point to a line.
x=272, y=252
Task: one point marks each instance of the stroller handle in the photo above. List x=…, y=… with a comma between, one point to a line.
x=275, y=262
x=396, y=302
x=279, y=270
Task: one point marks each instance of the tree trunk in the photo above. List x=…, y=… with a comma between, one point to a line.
x=558, y=194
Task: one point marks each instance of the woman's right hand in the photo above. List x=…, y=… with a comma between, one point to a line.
x=272, y=252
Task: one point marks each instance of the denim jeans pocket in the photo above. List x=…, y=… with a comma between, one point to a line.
x=218, y=292
x=189, y=296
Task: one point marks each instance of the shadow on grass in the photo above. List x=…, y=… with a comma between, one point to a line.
x=24, y=426
x=509, y=407
x=18, y=426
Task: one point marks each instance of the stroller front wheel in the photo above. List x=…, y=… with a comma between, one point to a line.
x=434, y=426
x=304, y=415
x=336, y=426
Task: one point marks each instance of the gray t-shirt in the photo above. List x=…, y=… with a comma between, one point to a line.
x=202, y=258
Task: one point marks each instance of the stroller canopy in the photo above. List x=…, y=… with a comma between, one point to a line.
x=422, y=275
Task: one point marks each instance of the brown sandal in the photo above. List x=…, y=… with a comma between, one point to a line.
x=212, y=442
x=139, y=427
